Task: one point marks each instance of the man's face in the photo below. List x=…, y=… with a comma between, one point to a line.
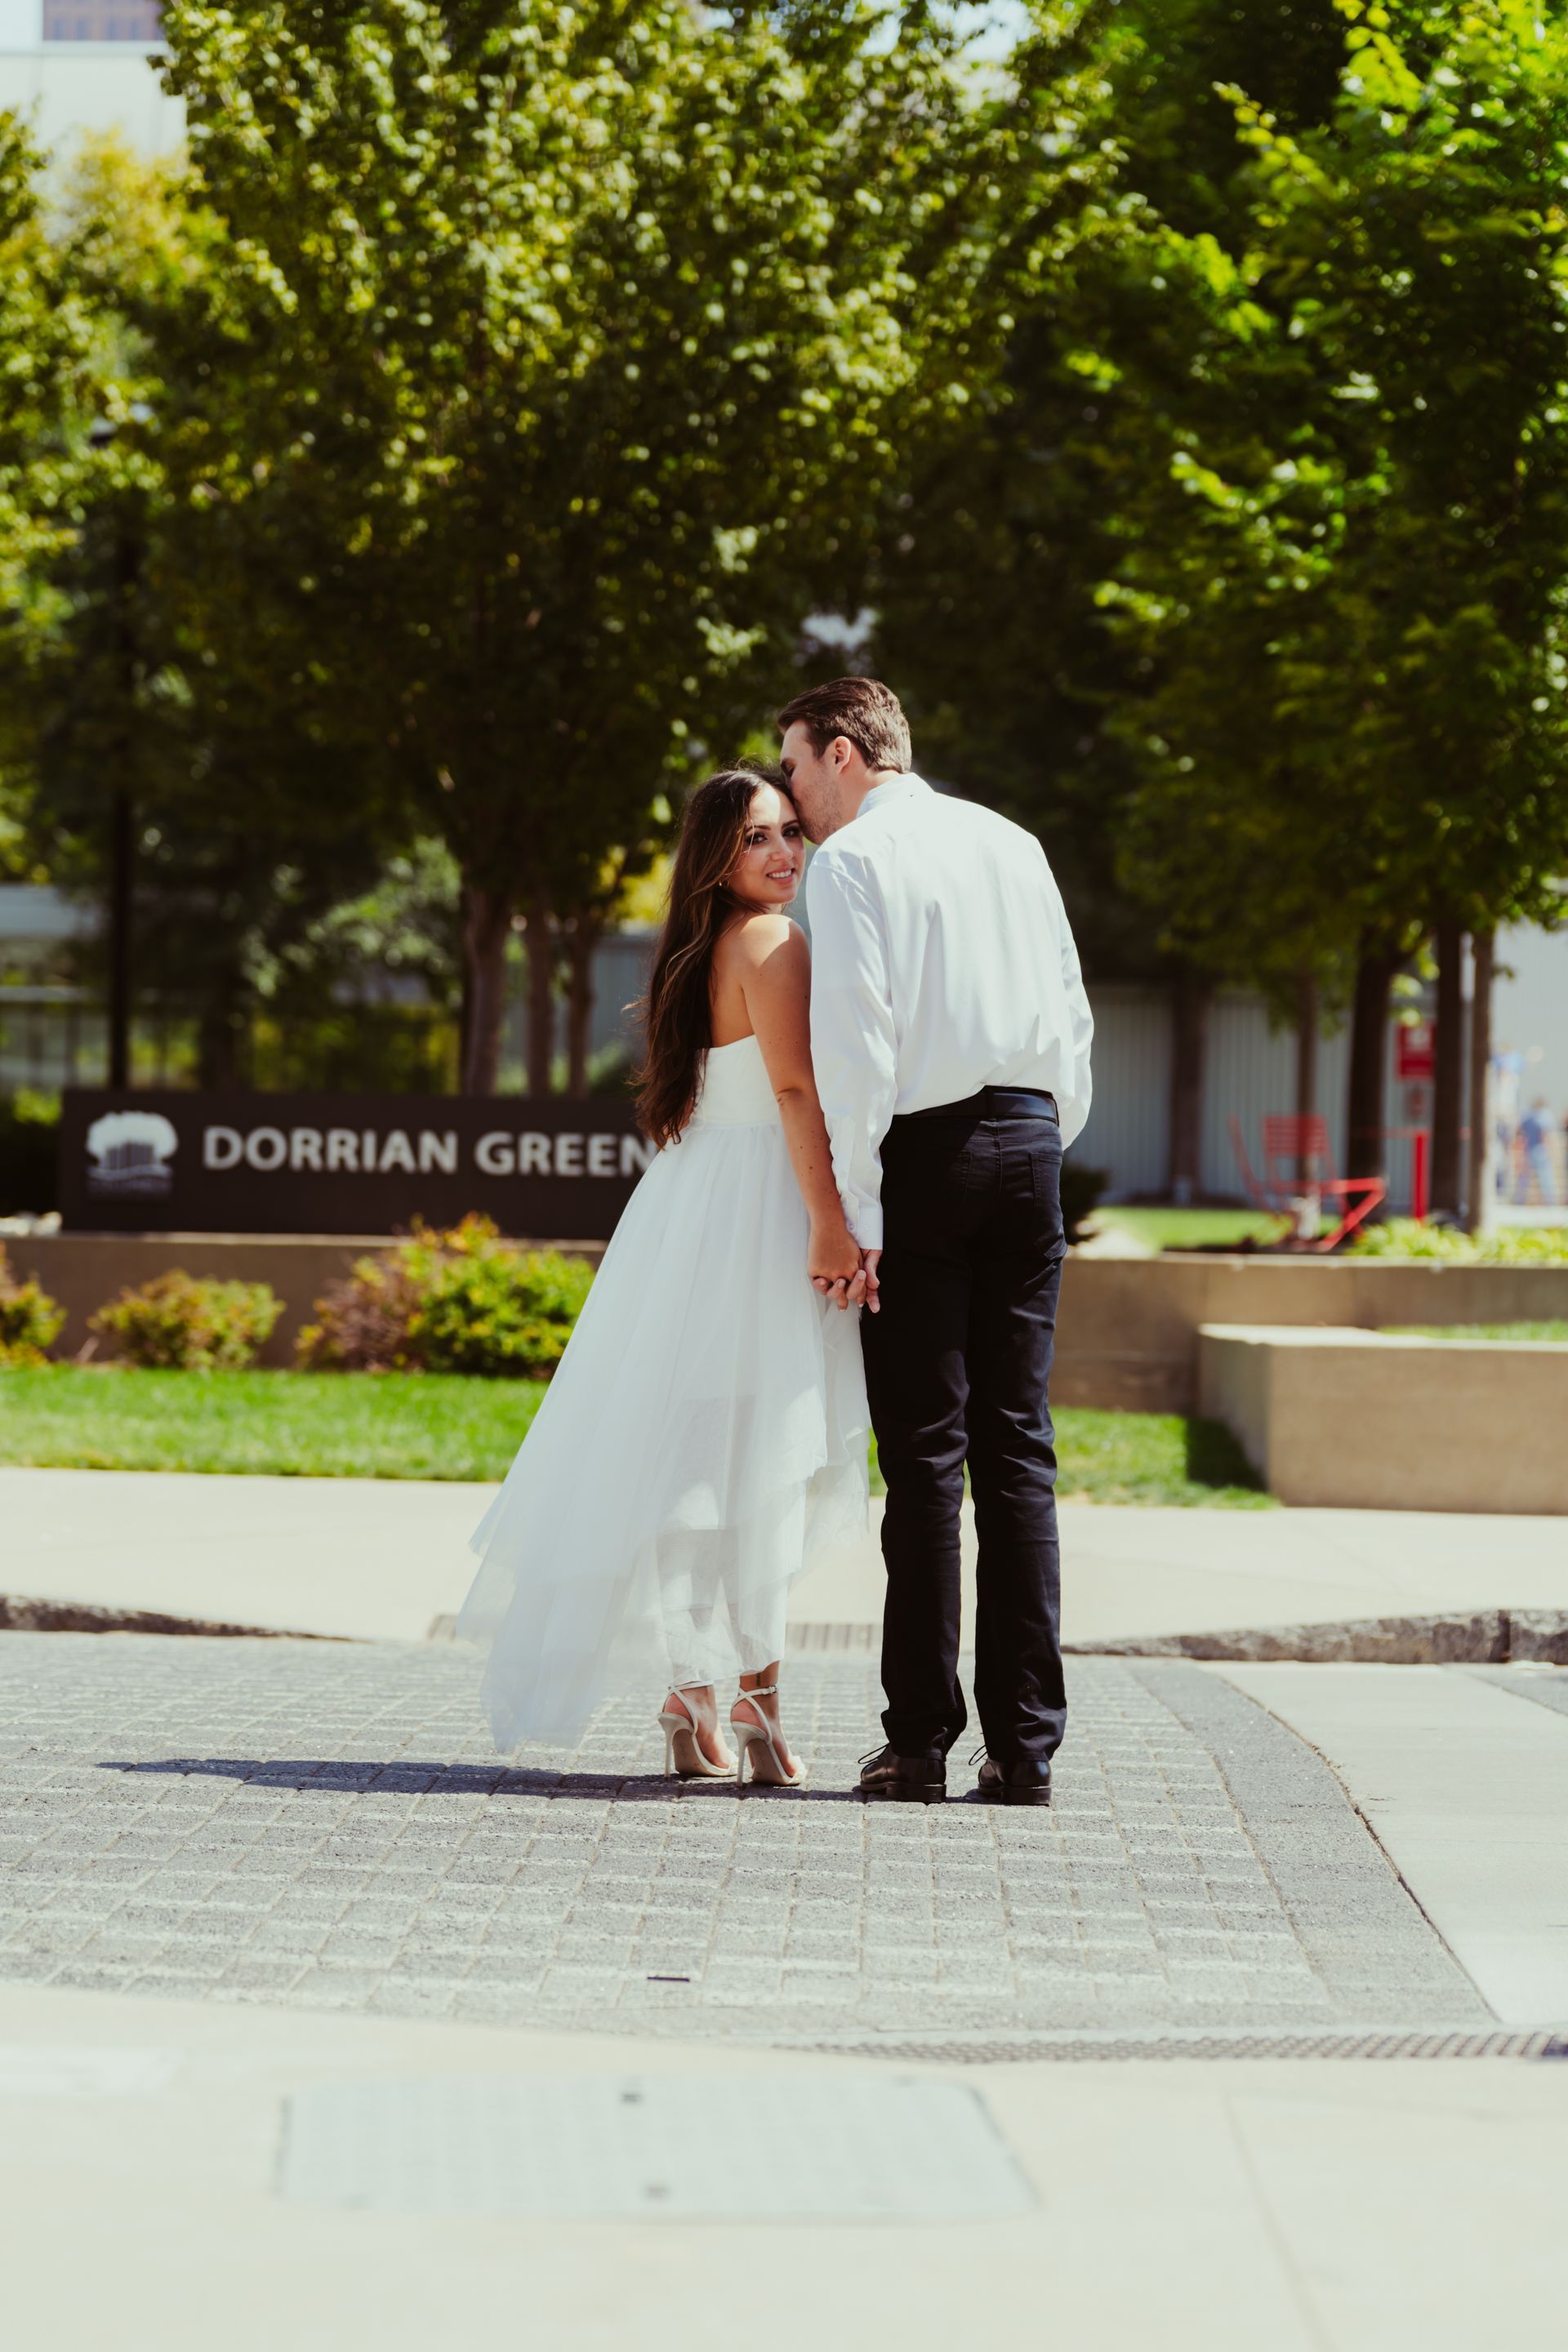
x=813, y=778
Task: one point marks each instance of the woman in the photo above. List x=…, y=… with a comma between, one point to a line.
x=706, y=1429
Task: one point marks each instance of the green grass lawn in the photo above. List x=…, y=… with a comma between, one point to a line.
x=1558, y=1331
x=1152, y=1457
x=1190, y=1228
x=288, y=1424
x=403, y=1425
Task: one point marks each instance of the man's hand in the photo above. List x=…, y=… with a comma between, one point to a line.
x=870, y=1260
x=833, y=1262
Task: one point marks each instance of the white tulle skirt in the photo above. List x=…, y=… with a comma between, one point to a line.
x=704, y=1435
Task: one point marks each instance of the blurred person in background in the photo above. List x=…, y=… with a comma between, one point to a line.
x=1535, y=1155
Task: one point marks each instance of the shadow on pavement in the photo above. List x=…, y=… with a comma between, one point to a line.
x=432, y=1780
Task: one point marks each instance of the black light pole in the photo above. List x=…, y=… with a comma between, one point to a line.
x=121, y=816
x=121, y=855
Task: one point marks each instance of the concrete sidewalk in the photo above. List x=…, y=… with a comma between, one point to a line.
x=370, y=1558
x=1463, y=1778
x=1216, y=2207
x=382, y=1559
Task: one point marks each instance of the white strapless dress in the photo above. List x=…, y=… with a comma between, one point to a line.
x=704, y=1435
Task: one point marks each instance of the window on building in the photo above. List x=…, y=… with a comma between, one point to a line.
x=102, y=20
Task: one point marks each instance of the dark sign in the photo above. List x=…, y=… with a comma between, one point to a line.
x=171, y=1163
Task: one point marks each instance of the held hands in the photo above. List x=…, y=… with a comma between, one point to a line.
x=839, y=1269
x=833, y=1262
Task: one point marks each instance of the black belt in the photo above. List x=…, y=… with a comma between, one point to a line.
x=993, y=1102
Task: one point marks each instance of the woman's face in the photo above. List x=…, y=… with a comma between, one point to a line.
x=772, y=855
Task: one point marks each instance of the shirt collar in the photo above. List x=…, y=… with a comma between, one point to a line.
x=894, y=789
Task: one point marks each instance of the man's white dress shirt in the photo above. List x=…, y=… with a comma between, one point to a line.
x=941, y=962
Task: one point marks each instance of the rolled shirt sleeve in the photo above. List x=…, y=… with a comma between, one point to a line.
x=854, y=1045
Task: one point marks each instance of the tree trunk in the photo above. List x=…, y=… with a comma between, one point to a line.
x=1479, y=1194
x=1366, y=1149
x=1189, y=1008
x=127, y=574
x=486, y=924
x=1306, y=1066
x=466, y=996
x=1448, y=1072
x=540, y=998
x=580, y=1004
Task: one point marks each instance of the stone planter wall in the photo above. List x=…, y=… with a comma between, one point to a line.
x=1128, y=1330
x=1127, y=1336
x=1355, y=1419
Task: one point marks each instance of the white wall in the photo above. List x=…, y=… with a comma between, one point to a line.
x=1530, y=1010
x=21, y=23
x=1249, y=1072
x=1127, y=1130
x=70, y=86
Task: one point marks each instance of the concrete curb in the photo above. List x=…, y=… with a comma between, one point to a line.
x=21, y=1615
x=1493, y=1637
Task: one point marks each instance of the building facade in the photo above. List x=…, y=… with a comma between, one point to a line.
x=76, y=66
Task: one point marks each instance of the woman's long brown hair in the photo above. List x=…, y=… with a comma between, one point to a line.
x=678, y=1007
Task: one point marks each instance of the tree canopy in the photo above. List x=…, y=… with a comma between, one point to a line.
x=559, y=349
x=457, y=447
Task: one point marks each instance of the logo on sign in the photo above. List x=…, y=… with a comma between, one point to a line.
x=129, y=1151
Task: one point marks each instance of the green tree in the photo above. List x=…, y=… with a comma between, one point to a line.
x=558, y=349
x=1386, y=567
x=1026, y=681
x=1312, y=317
x=124, y=716
x=45, y=343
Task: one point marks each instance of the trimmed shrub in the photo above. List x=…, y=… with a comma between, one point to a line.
x=363, y=1320
x=30, y=1320
x=1505, y=1245
x=1525, y=1245
x=463, y=1301
x=176, y=1323
x=1402, y=1237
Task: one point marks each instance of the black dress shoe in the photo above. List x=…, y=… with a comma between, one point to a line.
x=904, y=1780
x=1015, y=1784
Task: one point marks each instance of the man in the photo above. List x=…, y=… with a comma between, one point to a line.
x=950, y=1037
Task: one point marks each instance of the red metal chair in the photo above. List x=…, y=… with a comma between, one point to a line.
x=1297, y=1166
x=1256, y=1190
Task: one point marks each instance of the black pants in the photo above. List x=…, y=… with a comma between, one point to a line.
x=957, y=1364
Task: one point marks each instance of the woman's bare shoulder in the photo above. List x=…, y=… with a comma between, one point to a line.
x=757, y=939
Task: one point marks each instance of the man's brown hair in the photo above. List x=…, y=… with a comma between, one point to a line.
x=863, y=710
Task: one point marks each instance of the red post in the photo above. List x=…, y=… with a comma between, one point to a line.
x=1420, y=1143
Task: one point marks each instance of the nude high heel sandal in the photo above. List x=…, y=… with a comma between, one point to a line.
x=683, y=1749
x=756, y=1744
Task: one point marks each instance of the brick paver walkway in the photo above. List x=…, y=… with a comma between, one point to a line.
x=326, y=1824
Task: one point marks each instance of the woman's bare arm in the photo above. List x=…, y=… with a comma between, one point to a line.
x=772, y=965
